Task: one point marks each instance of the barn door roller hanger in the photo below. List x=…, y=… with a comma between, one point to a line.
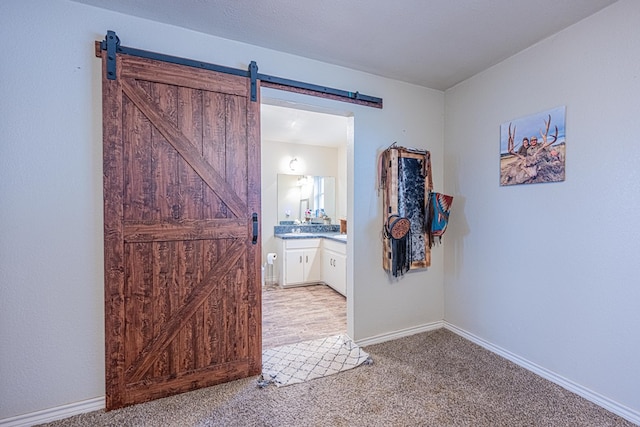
x=111, y=44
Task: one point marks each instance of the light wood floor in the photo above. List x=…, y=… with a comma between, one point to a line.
x=291, y=315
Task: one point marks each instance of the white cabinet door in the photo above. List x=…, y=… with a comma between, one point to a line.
x=302, y=262
x=293, y=266
x=312, y=265
x=327, y=267
x=335, y=270
x=340, y=267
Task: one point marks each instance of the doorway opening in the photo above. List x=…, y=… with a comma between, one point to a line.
x=302, y=144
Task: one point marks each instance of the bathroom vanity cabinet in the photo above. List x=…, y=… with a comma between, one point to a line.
x=302, y=262
x=313, y=260
x=334, y=265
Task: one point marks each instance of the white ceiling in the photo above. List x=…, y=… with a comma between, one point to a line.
x=431, y=43
x=295, y=126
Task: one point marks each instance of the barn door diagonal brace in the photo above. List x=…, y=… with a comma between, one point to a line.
x=111, y=44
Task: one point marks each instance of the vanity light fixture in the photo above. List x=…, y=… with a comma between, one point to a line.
x=293, y=164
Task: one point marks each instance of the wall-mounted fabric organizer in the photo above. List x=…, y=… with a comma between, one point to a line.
x=405, y=181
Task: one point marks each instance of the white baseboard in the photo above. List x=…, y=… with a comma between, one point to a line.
x=602, y=401
x=53, y=414
x=377, y=339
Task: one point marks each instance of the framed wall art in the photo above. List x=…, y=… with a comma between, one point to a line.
x=533, y=148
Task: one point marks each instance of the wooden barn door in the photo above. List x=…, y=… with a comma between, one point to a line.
x=181, y=186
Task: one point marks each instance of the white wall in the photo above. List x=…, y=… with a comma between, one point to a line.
x=51, y=302
x=549, y=272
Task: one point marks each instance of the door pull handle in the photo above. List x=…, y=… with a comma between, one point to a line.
x=254, y=241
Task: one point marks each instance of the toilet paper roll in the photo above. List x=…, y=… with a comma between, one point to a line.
x=271, y=257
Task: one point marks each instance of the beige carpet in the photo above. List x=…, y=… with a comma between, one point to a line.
x=429, y=379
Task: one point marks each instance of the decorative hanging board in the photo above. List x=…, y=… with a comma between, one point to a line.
x=405, y=181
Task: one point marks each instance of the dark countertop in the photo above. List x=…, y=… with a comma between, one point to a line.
x=302, y=235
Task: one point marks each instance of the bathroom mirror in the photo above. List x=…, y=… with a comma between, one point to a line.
x=299, y=193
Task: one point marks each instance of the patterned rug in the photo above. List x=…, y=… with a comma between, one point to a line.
x=307, y=360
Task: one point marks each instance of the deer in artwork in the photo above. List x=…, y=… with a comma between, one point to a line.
x=527, y=167
x=545, y=142
x=510, y=142
x=521, y=169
